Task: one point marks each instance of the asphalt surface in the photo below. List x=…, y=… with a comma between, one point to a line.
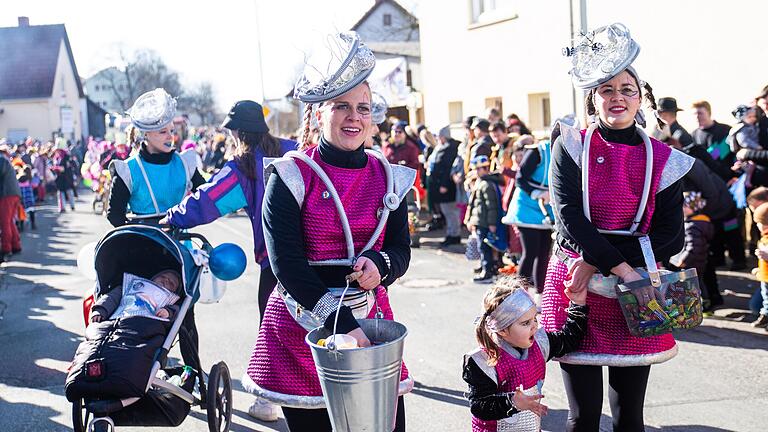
x=718, y=381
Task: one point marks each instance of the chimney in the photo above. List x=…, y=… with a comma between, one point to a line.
x=23, y=21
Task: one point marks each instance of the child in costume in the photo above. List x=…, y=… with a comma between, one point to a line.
x=506, y=372
x=484, y=215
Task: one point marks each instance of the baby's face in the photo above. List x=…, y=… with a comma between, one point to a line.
x=167, y=280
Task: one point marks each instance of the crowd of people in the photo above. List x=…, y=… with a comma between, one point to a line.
x=560, y=211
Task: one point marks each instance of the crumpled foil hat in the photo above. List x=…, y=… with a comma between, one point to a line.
x=379, y=108
x=338, y=66
x=601, y=54
x=153, y=110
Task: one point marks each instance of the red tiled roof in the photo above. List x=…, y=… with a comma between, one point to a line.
x=28, y=57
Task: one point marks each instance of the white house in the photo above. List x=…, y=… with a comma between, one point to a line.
x=107, y=88
x=40, y=91
x=392, y=33
x=508, y=53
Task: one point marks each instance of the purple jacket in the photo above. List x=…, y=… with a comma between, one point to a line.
x=227, y=192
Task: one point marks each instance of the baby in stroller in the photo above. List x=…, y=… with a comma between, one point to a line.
x=147, y=285
x=161, y=288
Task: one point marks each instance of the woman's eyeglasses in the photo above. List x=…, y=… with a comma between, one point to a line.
x=609, y=92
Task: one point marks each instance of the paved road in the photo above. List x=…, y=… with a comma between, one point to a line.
x=718, y=382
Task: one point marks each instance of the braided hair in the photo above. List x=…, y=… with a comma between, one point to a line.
x=307, y=122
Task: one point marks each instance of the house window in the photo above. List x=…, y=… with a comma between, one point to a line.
x=96, y=87
x=491, y=11
x=455, y=112
x=539, y=115
x=387, y=20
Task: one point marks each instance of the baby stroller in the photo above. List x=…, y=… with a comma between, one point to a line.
x=144, y=250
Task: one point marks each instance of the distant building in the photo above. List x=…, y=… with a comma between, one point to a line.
x=507, y=54
x=108, y=88
x=392, y=33
x=40, y=90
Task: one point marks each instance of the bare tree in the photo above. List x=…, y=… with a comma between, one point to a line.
x=138, y=73
x=201, y=101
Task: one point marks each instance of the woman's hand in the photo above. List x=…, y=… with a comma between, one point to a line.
x=644, y=294
x=578, y=276
x=362, y=339
x=163, y=313
x=370, y=277
x=96, y=317
x=524, y=402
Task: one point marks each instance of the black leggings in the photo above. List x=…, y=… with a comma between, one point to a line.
x=533, y=262
x=584, y=386
x=316, y=420
x=267, y=283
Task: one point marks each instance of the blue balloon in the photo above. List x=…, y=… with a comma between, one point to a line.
x=227, y=261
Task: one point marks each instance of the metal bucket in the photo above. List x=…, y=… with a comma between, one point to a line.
x=360, y=385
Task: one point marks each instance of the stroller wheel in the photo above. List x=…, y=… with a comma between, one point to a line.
x=80, y=416
x=219, y=401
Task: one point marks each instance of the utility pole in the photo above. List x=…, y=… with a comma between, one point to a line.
x=258, y=44
x=582, y=30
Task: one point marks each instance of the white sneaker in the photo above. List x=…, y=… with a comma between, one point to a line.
x=262, y=409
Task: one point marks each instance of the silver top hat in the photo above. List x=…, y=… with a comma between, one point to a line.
x=153, y=110
x=379, y=108
x=328, y=73
x=601, y=54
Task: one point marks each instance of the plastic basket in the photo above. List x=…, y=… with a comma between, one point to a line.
x=679, y=309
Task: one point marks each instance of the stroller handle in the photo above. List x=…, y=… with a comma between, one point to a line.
x=181, y=235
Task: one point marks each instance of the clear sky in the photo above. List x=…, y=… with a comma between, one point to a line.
x=214, y=41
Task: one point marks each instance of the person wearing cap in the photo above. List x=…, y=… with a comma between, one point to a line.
x=155, y=178
x=483, y=145
x=401, y=149
x=668, y=114
x=610, y=185
x=484, y=213
x=239, y=184
x=314, y=250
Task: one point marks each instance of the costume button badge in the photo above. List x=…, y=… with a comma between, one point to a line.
x=326, y=195
x=600, y=159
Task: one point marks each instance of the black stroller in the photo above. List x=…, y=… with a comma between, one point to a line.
x=148, y=399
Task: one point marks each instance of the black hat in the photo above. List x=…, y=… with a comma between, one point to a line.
x=481, y=124
x=246, y=116
x=668, y=104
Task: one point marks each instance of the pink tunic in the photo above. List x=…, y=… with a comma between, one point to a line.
x=281, y=361
x=512, y=372
x=615, y=188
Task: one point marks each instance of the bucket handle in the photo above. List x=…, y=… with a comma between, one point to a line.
x=379, y=314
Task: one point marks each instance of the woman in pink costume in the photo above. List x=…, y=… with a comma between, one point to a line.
x=330, y=210
x=613, y=189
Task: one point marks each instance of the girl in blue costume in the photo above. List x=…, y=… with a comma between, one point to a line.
x=156, y=178
x=240, y=184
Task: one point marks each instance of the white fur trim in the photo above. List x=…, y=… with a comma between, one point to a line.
x=580, y=358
